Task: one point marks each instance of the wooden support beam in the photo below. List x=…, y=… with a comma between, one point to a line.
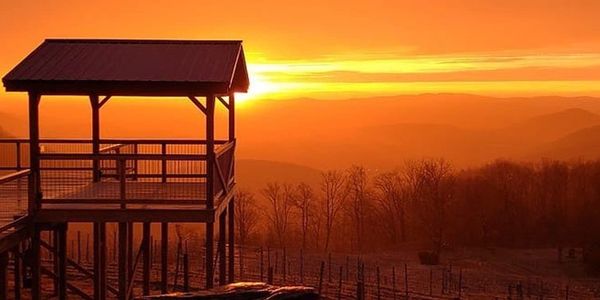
x=96, y=249
x=231, y=230
x=164, y=256
x=102, y=253
x=62, y=259
x=103, y=101
x=34, y=154
x=210, y=150
x=198, y=104
x=146, y=263
x=18, y=271
x=99, y=261
x=4, y=275
x=209, y=254
x=232, y=117
x=123, y=263
x=35, y=264
x=130, y=248
x=223, y=102
x=221, y=249
x=95, y=136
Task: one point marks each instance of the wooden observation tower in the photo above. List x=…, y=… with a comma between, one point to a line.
x=119, y=181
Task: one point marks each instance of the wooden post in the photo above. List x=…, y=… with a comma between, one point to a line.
x=17, y=266
x=284, y=258
x=34, y=159
x=123, y=263
x=329, y=267
x=222, y=252
x=146, y=251
x=406, y=280
x=231, y=229
x=210, y=170
x=261, y=264
x=270, y=276
x=394, y=282
x=102, y=254
x=130, y=248
x=186, y=272
x=87, y=248
x=164, y=250
x=78, y=247
x=4, y=275
x=95, y=136
x=378, y=284
x=62, y=258
x=340, y=284
x=321, y=277
x=163, y=168
x=97, y=289
x=301, y=265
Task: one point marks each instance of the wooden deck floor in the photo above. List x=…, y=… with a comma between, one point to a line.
x=134, y=190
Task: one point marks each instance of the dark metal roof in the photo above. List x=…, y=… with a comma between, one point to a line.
x=131, y=67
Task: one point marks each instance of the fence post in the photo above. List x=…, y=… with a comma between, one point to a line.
x=430, y=281
x=340, y=284
x=87, y=248
x=302, y=265
x=347, y=267
x=378, y=284
x=78, y=247
x=329, y=267
x=163, y=147
x=284, y=264
x=261, y=264
x=270, y=276
x=321, y=277
x=186, y=274
x=394, y=282
x=406, y=280
x=460, y=283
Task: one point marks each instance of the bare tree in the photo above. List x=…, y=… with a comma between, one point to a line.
x=392, y=202
x=357, y=196
x=280, y=201
x=246, y=216
x=334, y=194
x=431, y=184
x=303, y=200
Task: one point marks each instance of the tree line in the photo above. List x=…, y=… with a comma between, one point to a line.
x=429, y=203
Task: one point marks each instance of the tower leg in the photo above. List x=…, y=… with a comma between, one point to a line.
x=231, y=228
x=36, y=289
x=164, y=264
x=209, y=255
x=146, y=251
x=62, y=259
x=222, y=253
x=123, y=264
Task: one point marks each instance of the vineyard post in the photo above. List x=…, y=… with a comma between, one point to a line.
x=268, y=258
x=270, y=276
x=302, y=265
x=329, y=267
x=186, y=273
x=87, y=248
x=321, y=277
x=261, y=264
x=347, y=267
x=460, y=283
x=378, y=284
x=406, y=280
x=394, y=282
x=78, y=247
x=430, y=281
x=340, y=284
x=284, y=264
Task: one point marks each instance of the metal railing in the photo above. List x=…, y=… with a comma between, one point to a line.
x=13, y=198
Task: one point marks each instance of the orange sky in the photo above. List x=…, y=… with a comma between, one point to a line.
x=337, y=49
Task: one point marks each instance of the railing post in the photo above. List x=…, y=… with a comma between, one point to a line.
x=164, y=162
x=18, y=156
x=122, y=190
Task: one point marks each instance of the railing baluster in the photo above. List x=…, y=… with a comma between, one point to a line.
x=18, y=156
x=122, y=191
x=164, y=162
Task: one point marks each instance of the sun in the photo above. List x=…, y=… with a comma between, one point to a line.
x=260, y=86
